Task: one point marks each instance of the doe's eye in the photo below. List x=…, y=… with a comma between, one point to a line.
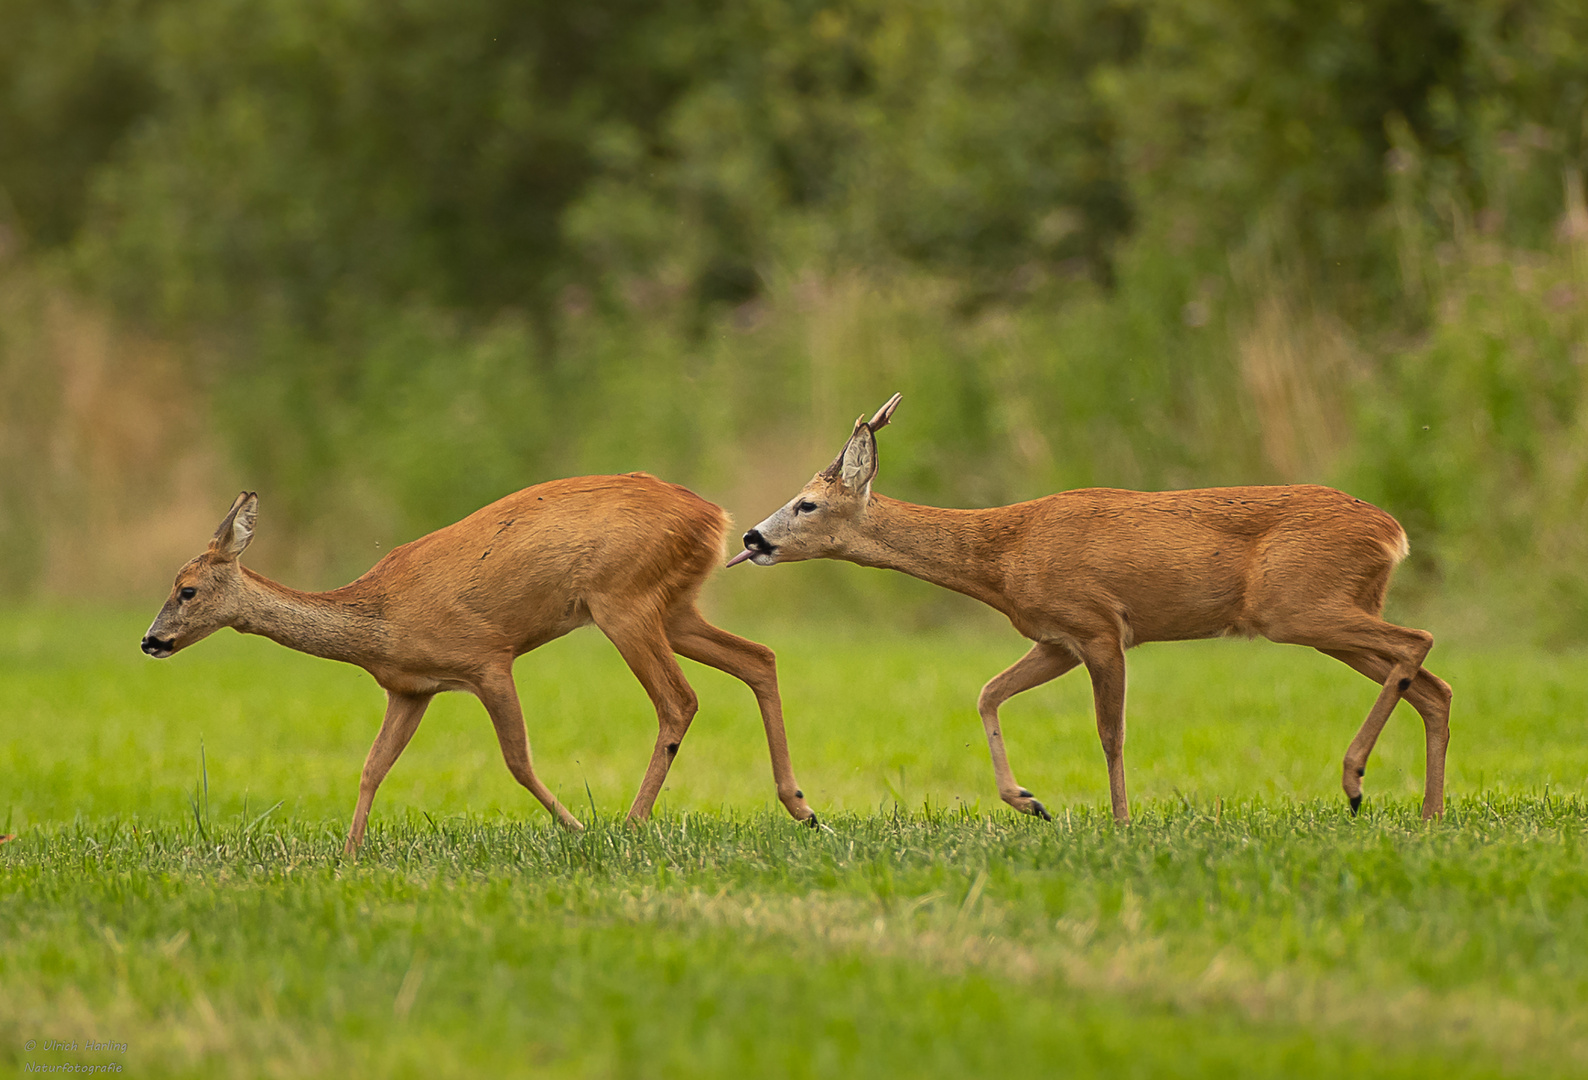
x=188, y=592
x=806, y=507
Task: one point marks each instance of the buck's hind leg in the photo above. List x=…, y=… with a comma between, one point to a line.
x=754, y=665
x=1042, y=664
x=500, y=698
x=1430, y=696
x=1398, y=652
x=1436, y=734
x=403, y=713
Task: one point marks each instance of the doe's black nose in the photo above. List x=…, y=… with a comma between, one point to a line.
x=754, y=539
x=154, y=646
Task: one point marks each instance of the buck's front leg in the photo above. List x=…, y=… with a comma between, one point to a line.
x=1043, y=663
x=1105, y=662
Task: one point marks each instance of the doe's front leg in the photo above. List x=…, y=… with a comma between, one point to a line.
x=500, y=698
x=403, y=713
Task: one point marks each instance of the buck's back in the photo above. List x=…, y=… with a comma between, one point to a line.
x=1204, y=562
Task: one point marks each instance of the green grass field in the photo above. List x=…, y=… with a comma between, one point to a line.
x=1243, y=925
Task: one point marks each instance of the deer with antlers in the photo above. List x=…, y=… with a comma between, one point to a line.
x=452, y=610
x=1087, y=574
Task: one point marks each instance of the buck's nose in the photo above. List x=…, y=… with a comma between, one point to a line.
x=756, y=542
x=155, y=647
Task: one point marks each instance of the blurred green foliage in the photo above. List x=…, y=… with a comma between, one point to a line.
x=417, y=254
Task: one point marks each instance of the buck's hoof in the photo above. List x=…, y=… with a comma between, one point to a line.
x=1031, y=805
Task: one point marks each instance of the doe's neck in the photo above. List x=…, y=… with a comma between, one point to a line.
x=344, y=624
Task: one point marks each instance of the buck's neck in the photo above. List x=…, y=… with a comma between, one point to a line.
x=957, y=549
x=344, y=624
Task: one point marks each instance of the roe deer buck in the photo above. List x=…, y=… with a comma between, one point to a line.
x=1087, y=574
x=451, y=611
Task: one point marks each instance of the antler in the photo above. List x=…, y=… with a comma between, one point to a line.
x=874, y=425
x=884, y=414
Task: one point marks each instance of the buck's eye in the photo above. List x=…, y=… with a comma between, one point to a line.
x=806, y=507
x=188, y=592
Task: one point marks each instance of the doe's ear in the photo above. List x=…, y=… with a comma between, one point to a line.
x=237, y=528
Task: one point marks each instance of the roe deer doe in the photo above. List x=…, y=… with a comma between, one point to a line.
x=1087, y=574
x=451, y=611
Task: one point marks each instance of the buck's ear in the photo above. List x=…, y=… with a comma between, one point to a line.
x=858, y=464
x=237, y=528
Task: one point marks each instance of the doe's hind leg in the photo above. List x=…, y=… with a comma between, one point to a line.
x=754, y=665
x=642, y=640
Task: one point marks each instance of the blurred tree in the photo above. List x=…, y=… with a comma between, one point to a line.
x=961, y=137
x=75, y=76
x=286, y=156
x=310, y=153
x=421, y=250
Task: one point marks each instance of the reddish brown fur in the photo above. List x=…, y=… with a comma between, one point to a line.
x=1087, y=574
x=451, y=611
x=1163, y=566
